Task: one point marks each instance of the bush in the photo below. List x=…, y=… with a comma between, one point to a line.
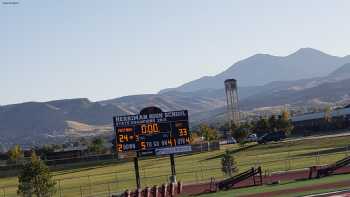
x=228, y=164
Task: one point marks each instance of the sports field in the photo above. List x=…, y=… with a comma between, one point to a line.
x=105, y=179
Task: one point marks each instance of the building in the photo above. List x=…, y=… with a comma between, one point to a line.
x=313, y=122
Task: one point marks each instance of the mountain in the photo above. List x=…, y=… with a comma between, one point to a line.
x=54, y=118
x=303, y=77
x=206, y=103
x=194, y=101
x=341, y=73
x=325, y=92
x=261, y=69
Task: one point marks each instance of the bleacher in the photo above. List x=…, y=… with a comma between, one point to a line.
x=328, y=170
x=232, y=181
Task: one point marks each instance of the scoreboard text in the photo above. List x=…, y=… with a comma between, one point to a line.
x=148, y=132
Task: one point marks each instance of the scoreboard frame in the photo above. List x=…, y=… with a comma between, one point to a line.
x=153, y=133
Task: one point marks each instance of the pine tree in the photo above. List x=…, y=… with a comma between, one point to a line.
x=228, y=164
x=35, y=179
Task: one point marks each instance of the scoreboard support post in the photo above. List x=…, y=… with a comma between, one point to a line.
x=173, y=169
x=137, y=173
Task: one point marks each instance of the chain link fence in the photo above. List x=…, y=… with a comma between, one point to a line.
x=105, y=184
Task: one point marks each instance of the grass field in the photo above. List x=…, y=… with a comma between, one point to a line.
x=104, y=179
x=284, y=186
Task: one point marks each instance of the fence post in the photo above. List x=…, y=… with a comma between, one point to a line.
x=289, y=160
x=81, y=192
x=90, y=189
x=290, y=163
x=285, y=165
x=3, y=189
x=144, y=175
x=116, y=180
x=59, y=187
x=109, y=190
x=202, y=173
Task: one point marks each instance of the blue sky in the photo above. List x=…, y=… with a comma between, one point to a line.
x=105, y=49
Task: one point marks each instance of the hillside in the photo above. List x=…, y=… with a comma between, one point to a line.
x=34, y=120
x=261, y=69
x=31, y=121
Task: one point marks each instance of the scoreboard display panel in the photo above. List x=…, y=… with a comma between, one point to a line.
x=148, y=133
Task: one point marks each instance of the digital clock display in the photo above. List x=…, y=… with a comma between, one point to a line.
x=152, y=131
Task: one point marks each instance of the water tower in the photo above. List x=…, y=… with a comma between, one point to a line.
x=232, y=102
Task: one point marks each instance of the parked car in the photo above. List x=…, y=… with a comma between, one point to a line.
x=230, y=140
x=251, y=138
x=273, y=136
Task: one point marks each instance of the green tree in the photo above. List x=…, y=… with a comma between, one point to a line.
x=228, y=164
x=224, y=127
x=241, y=133
x=83, y=141
x=35, y=179
x=96, y=145
x=284, y=123
x=194, y=137
x=273, y=123
x=234, y=127
x=262, y=126
x=208, y=133
x=15, y=154
x=45, y=150
x=328, y=114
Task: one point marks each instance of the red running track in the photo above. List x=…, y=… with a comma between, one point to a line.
x=195, y=189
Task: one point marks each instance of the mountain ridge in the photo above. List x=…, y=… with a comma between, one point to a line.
x=252, y=71
x=74, y=117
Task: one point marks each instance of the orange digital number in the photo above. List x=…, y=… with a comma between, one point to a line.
x=172, y=142
x=169, y=142
x=123, y=138
x=149, y=128
x=120, y=148
x=143, y=146
x=143, y=129
x=183, y=132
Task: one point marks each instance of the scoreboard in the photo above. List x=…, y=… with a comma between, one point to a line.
x=149, y=134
